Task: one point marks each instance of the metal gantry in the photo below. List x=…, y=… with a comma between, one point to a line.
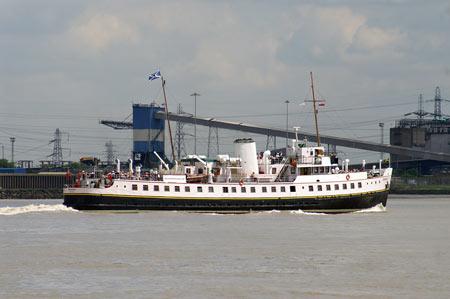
x=338, y=141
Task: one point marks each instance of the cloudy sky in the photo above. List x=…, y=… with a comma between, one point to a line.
x=68, y=64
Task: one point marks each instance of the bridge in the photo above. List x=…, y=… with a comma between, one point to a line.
x=249, y=128
x=344, y=142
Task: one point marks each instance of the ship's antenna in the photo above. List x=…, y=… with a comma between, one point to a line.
x=168, y=118
x=315, y=109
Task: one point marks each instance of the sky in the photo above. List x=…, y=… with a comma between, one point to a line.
x=69, y=64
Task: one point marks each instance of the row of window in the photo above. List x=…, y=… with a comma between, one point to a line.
x=243, y=189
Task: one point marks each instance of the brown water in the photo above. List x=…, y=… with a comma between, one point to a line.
x=51, y=251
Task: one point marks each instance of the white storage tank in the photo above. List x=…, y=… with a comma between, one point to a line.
x=246, y=150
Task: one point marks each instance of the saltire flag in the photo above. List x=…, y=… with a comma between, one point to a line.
x=154, y=76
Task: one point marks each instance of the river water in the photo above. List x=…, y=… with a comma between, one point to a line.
x=49, y=251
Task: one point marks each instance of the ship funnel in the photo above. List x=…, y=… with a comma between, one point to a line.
x=246, y=150
x=118, y=165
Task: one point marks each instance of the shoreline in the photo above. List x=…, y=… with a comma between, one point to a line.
x=31, y=193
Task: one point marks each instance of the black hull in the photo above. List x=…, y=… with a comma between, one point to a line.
x=339, y=204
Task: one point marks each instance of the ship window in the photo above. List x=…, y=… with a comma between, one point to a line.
x=283, y=189
x=322, y=169
x=274, y=170
x=199, y=189
x=225, y=189
x=274, y=189
x=319, y=187
x=264, y=189
x=211, y=189
x=352, y=185
x=243, y=190
x=167, y=188
x=156, y=188
x=134, y=187
x=188, y=170
x=311, y=188
x=200, y=171
x=305, y=171
x=328, y=187
x=336, y=187
x=145, y=187
x=252, y=189
x=344, y=186
x=233, y=189
x=316, y=170
x=359, y=185
x=292, y=170
x=177, y=188
x=292, y=188
x=187, y=189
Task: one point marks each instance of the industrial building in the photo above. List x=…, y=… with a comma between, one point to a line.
x=422, y=133
x=148, y=134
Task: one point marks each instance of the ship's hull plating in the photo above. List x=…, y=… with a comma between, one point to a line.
x=338, y=204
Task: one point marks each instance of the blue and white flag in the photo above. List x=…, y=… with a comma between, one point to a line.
x=155, y=75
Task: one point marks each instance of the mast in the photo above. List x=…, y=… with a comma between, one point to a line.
x=168, y=118
x=315, y=110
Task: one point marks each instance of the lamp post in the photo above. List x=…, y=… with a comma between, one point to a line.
x=382, y=138
x=287, y=122
x=13, y=139
x=195, y=95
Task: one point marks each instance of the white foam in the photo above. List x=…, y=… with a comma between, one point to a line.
x=213, y=214
x=301, y=212
x=7, y=211
x=376, y=209
x=272, y=211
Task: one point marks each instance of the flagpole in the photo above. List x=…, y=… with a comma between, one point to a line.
x=168, y=118
x=315, y=109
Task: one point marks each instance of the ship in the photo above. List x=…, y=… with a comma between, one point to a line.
x=302, y=177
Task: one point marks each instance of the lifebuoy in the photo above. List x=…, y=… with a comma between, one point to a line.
x=347, y=177
x=241, y=182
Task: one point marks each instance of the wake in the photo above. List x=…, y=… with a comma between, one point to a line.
x=379, y=208
x=8, y=211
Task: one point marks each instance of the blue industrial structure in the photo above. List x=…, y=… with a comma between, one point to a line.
x=148, y=134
